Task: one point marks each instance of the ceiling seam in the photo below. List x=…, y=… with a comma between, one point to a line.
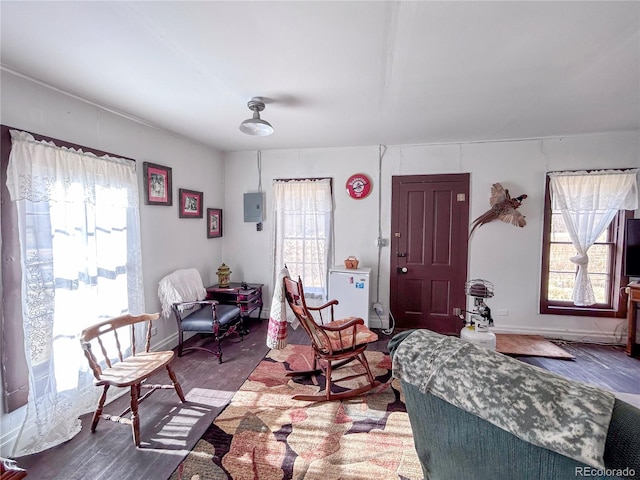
x=391, y=32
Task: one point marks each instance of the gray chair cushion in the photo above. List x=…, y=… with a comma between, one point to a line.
x=202, y=321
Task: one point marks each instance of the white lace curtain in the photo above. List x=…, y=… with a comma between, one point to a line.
x=589, y=201
x=81, y=263
x=303, y=231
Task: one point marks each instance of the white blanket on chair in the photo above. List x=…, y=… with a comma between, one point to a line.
x=180, y=286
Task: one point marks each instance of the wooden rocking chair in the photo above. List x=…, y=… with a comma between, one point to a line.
x=115, y=370
x=335, y=344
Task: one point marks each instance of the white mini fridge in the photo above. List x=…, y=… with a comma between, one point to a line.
x=351, y=288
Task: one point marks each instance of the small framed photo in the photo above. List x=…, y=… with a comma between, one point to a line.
x=214, y=222
x=190, y=205
x=157, y=184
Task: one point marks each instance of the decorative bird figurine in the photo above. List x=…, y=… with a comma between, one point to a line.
x=503, y=207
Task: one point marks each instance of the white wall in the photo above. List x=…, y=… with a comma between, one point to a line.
x=509, y=257
x=168, y=242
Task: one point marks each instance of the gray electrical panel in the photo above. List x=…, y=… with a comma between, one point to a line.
x=253, y=207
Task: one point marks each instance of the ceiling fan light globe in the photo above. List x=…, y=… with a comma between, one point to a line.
x=256, y=127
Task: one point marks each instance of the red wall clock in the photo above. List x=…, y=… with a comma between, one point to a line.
x=358, y=186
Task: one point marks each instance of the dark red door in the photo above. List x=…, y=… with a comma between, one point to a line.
x=429, y=248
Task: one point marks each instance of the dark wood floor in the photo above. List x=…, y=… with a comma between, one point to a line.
x=604, y=366
x=170, y=429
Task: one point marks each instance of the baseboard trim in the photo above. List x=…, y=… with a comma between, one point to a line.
x=586, y=336
x=168, y=343
x=7, y=440
x=609, y=338
x=375, y=322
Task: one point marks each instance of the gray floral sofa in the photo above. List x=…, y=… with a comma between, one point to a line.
x=477, y=414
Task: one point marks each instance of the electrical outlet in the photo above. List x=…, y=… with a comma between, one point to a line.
x=382, y=242
x=502, y=312
x=154, y=330
x=377, y=307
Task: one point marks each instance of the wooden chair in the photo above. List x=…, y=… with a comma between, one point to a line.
x=335, y=343
x=10, y=471
x=116, y=370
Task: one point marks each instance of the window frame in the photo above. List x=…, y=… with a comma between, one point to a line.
x=617, y=307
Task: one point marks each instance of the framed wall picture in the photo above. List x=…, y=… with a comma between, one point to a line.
x=157, y=184
x=214, y=222
x=190, y=205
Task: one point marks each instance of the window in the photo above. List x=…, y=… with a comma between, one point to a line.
x=578, y=223
x=79, y=262
x=303, y=231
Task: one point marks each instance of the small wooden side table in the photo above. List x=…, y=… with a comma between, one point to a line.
x=248, y=299
x=633, y=292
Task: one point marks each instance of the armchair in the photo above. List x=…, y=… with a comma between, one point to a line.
x=478, y=414
x=182, y=294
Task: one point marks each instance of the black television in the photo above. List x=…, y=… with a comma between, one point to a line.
x=632, y=248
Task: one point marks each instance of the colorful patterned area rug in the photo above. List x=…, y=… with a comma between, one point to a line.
x=263, y=434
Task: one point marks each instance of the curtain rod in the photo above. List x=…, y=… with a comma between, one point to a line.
x=301, y=179
x=81, y=150
x=609, y=171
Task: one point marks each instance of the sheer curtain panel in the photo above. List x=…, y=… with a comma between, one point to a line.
x=588, y=202
x=80, y=251
x=303, y=231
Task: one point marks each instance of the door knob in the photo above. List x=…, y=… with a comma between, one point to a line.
x=403, y=269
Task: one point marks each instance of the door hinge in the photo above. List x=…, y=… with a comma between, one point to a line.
x=396, y=234
x=461, y=197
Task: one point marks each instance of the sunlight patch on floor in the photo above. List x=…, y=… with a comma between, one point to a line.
x=209, y=397
x=174, y=428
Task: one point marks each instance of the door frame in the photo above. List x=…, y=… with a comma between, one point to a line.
x=463, y=250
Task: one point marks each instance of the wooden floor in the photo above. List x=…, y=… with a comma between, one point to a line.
x=604, y=366
x=170, y=429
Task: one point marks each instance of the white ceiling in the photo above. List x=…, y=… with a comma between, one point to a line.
x=336, y=74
